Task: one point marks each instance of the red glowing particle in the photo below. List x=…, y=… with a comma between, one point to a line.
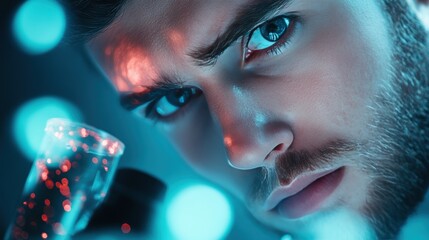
x=67, y=205
x=59, y=135
x=83, y=132
x=105, y=161
x=40, y=164
x=65, y=191
x=106, y=169
x=49, y=184
x=58, y=229
x=58, y=172
x=33, y=195
x=65, y=181
x=85, y=147
x=94, y=160
x=65, y=168
x=58, y=185
x=47, y=202
x=44, y=175
x=25, y=203
x=66, y=165
x=44, y=235
x=44, y=217
x=96, y=136
x=104, y=143
x=125, y=228
x=67, y=208
x=112, y=150
x=31, y=205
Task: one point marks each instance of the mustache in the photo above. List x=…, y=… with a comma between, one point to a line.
x=293, y=163
x=290, y=164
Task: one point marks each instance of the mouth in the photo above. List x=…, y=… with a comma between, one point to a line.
x=305, y=194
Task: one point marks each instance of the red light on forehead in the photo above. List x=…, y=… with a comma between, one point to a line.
x=132, y=65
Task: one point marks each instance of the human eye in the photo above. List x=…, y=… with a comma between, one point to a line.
x=168, y=104
x=270, y=37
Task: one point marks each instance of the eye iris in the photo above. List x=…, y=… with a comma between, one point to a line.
x=179, y=97
x=274, y=29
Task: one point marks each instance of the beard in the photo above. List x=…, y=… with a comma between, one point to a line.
x=396, y=155
x=399, y=156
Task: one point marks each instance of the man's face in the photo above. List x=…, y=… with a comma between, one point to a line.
x=291, y=105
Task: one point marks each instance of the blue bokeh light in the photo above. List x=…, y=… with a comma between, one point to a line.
x=39, y=25
x=286, y=237
x=30, y=120
x=199, y=212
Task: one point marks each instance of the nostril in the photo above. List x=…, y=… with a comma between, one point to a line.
x=277, y=148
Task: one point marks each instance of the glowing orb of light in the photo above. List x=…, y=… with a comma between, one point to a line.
x=39, y=25
x=30, y=120
x=199, y=212
x=287, y=237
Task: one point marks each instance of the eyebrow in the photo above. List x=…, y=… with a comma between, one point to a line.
x=165, y=84
x=244, y=22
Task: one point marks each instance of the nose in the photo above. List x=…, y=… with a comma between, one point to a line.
x=250, y=146
x=253, y=135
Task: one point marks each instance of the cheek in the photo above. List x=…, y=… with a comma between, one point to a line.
x=193, y=135
x=331, y=81
x=199, y=140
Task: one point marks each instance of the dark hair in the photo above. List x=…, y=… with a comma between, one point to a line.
x=89, y=17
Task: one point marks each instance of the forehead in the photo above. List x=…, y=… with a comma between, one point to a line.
x=159, y=24
x=149, y=34
x=151, y=37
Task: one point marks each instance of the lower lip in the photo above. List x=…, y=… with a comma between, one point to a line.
x=310, y=198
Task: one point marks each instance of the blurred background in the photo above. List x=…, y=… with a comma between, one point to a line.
x=41, y=78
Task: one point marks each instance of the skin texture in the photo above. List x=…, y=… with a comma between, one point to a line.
x=347, y=91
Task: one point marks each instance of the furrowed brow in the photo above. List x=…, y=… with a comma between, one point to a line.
x=246, y=19
x=132, y=100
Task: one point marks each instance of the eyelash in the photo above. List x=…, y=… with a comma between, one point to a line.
x=278, y=47
x=150, y=112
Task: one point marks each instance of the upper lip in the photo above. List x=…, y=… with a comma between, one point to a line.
x=294, y=187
